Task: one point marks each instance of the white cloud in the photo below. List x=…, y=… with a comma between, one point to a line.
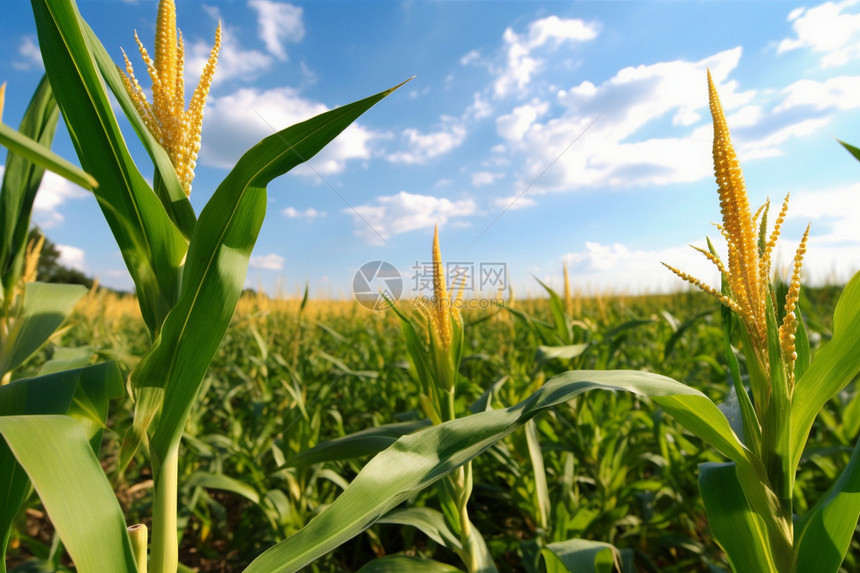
x=270, y=262
x=237, y=121
x=396, y=214
x=521, y=62
x=514, y=125
x=233, y=60
x=513, y=202
x=482, y=178
x=839, y=92
x=278, y=23
x=309, y=213
x=72, y=257
x=614, y=117
x=470, y=58
x=610, y=154
x=421, y=147
x=828, y=29
x=51, y=197
x=619, y=268
x=31, y=57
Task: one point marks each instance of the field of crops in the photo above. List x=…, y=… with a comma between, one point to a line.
x=286, y=379
x=198, y=426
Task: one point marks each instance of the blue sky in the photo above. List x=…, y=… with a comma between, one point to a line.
x=533, y=133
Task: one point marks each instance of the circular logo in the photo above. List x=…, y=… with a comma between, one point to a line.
x=376, y=284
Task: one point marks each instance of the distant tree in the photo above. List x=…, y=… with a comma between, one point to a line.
x=50, y=270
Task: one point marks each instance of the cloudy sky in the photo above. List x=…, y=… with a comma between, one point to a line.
x=533, y=133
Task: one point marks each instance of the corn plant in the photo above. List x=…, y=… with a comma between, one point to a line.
x=188, y=273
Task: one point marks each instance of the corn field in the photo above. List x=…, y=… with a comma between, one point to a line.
x=193, y=427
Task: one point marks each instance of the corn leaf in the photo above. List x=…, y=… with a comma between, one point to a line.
x=151, y=245
x=214, y=273
x=69, y=480
x=42, y=156
x=579, y=556
x=80, y=392
x=363, y=443
x=824, y=534
x=406, y=564
x=418, y=460
x=21, y=180
x=740, y=532
x=44, y=308
x=432, y=523
x=851, y=149
x=834, y=365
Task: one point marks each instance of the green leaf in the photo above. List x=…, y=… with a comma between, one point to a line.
x=80, y=392
x=69, y=480
x=429, y=521
x=834, y=365
x=823, y=535
x=215, y=269
x=738, y=529
x=152, y=247
x=418, y=460
x=363, y=443
x=580, y=556
x=226, y=483
x=21, y=180
x=44, y=308
x=42, y=156
x=547, y=353
x=851, y=149
x=432, y=523
x=406, y=564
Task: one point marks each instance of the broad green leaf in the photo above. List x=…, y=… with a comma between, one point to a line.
x=569, y=352
x=169, y=190
x=823, y=535
x=834, y=365
x=429, y=521
x=215, y=269
x=222, y=482
x=418, y=460
x=152, y=247
x=42, y=156
x=44, y=308
x=541, y=494
x=69, y=480
x=82, y=392
x=21, y=180
x=363, y=443
x=738, y=529
x=580, y=556
x=407, y=564
x=432, y=523
x=64, y=358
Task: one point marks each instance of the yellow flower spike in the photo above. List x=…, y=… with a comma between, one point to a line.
x=707, y=289
x=176, y=129
x=441, y=304
x=568, y=300
x=711, y=257
x=789, y=324
x=2, y=99
x=737, y=220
